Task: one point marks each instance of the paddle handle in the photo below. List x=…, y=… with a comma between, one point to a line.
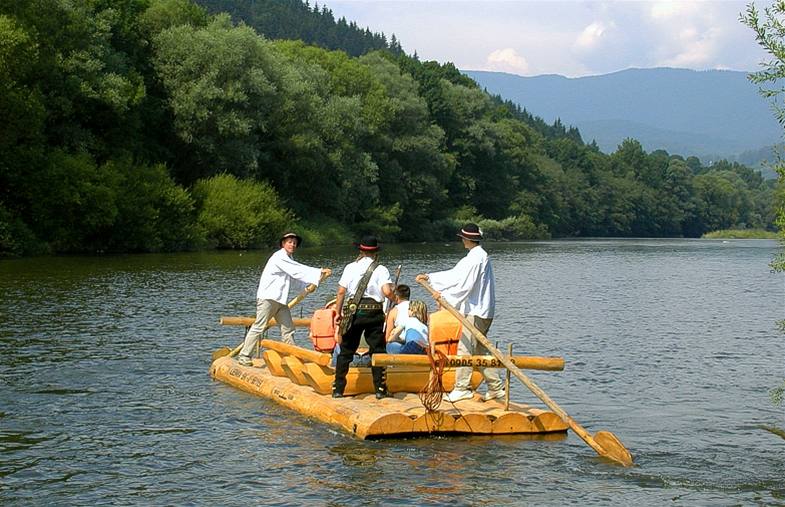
x=577, y=428
x=294, y=302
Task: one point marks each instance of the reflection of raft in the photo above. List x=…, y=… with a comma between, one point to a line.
x=301, y=379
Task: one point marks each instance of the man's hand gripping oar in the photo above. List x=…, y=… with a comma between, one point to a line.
x=605, y=443
x=226, y=351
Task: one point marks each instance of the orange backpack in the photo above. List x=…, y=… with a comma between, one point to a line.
x=444, y=331
x=322, y=331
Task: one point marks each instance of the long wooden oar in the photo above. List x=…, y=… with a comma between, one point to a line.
x=605, y=443
x=226, y=351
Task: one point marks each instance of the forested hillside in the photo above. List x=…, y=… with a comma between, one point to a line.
x=297, y=20
x=153, y=125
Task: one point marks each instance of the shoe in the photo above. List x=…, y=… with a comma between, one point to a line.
x=244, y=361
x=493, y=395
x=382, y=394
x=336, y=394
x=458, y=395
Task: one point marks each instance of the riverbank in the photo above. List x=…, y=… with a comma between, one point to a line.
x=741, y=234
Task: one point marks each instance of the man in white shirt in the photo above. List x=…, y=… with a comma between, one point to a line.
x=280, y=273
x=469, y=287
x=368, y=318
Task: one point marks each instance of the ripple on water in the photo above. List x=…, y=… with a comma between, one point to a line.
x=669, y=344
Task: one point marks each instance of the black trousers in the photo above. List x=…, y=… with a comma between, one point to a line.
x=372, y=323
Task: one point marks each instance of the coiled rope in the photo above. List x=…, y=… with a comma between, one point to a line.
x=431, y=394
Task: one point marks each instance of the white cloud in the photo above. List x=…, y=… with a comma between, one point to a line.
x=570, y=37
x=696, y=49
x=670, y=10
x=688, y=34
x=507, y=60
x=591, y=36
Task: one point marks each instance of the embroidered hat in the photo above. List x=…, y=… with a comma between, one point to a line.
x=471, y=232
x=290, y=235
x=368, y=244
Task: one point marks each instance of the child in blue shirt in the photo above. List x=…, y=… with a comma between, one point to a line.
x=412, y=337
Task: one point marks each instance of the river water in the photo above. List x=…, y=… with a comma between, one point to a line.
x=672, y=345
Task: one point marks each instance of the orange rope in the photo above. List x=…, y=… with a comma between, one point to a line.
x=431, y=394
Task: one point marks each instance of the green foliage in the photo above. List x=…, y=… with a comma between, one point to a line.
x=778, y=394
x=319, y=231
x=223, y=84
x=238, y=213
x=512, y=228
x=740, y=234
x=16, y=238
x=112, y=109
x=76, y=203
x=154, y=213
x=118, y=206
x=163, y=14
x=294, y=19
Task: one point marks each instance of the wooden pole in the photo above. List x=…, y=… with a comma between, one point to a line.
x=248, y=321
x=294, y=302
x=605, y=443
x=507, y=382
x=527, y=362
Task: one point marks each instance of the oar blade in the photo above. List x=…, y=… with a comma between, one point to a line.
x=613, y=448
x=223, y=351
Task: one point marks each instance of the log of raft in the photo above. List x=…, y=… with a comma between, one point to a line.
x=312, y=356
x=528, y=362
x=400, y=379
x=312, y=368
x=366, y=417
x=248, y=321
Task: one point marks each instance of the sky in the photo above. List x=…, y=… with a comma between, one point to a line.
x=573, y=38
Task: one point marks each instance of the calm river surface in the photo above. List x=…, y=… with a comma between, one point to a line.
x=105, y=396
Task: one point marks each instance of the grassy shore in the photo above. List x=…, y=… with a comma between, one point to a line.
x=740, y=234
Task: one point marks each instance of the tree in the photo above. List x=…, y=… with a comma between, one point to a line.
x=224, y=85
x=770, y=35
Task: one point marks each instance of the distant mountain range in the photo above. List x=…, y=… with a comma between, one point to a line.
x=710, y=114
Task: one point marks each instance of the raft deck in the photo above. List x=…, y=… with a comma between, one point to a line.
x=401, y=415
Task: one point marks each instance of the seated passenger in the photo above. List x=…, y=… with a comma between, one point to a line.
x=400, y=312
x=414, y=332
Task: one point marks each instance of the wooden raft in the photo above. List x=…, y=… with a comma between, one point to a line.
x=366, y=417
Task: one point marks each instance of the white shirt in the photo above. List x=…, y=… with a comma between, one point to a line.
x=279, y=274
x=403, y=313
x=353, y=273
x=469, y=286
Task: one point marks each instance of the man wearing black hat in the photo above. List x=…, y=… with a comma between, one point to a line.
x=469, y=286
x=366, y=316
x=279, y=273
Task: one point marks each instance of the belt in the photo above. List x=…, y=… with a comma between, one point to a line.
x=370, y=306
x=367, y=304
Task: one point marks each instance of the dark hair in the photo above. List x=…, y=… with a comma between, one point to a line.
x=403, y=291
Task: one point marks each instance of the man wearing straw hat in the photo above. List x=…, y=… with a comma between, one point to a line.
x=469, y=286
x=366, y=316
x=279, y=273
